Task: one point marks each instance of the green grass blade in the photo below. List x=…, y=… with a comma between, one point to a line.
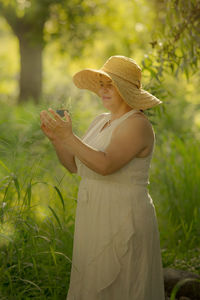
x=55, y=215
x=31, y=282
x=62, y=254
x=4, y=166
x=53, y=255
x=29, y=193
x=60, y=196
x=16, y=182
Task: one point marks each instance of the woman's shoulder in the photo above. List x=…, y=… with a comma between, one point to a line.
x=140, y=122
x=140, y=118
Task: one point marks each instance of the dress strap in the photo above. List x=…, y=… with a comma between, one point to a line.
x=126, y=115
x=123, y=117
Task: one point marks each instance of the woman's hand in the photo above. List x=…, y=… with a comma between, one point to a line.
x=56, y=129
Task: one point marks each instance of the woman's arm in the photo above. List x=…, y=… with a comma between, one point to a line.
x=128, y=139
x=65, y=157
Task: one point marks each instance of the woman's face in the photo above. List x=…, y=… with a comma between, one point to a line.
x=110, y=97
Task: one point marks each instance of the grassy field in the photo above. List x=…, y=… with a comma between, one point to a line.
x=38, y=203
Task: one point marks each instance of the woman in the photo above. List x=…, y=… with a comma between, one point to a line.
x=116, y=252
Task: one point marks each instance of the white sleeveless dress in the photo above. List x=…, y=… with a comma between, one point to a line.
x=116, y=250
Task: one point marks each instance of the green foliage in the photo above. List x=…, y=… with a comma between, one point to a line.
x=32, y=236
x=35, y=255
x=68, y=18
x=9, y=64
x=177, y=182
x=175, y=46
x=71, y=21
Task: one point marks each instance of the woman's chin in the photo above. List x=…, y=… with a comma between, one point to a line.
x=106, y=104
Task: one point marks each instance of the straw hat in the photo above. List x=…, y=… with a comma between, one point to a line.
x=126, y=77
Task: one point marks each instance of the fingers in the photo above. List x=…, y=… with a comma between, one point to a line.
x=47, y=120
x=42, y=118
x=53, y=122
x=56, y=116
x=43, y=127
x=67, y=116
x=43, y=115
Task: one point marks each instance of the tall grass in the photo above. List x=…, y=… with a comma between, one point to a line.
x=37, y=207
x=175, y=178
x=36, y=244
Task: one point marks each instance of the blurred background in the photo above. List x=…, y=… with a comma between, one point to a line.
x=42, y=44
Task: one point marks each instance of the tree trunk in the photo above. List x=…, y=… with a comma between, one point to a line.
x=30, y=83
x=29, y=32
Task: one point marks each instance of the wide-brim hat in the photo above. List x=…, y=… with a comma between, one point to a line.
x=126, y=77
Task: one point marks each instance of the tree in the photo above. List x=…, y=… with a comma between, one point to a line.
x=176, y=43
x=29, y=20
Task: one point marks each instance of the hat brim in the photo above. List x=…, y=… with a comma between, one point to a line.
x=89, y=79
x=135, y=97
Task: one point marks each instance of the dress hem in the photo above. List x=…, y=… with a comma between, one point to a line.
x=112, y=252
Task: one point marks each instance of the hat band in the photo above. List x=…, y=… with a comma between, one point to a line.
x=137, y=83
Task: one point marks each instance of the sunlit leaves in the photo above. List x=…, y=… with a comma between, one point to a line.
x=177, y=43
x=71, y=21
